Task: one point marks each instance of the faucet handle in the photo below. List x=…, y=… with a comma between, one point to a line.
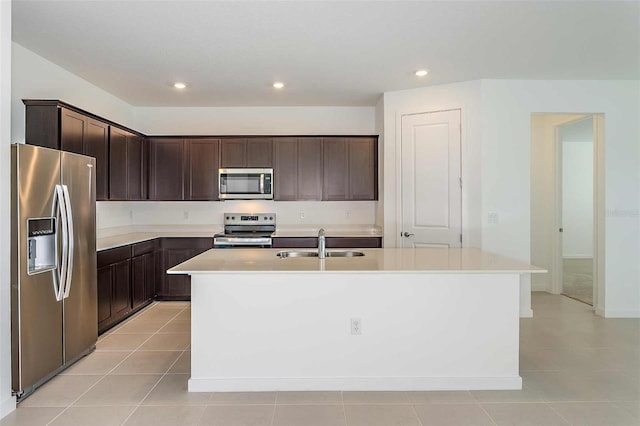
x=321, y=232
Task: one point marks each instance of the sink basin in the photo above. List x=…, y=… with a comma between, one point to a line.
x=283, y=254
x=345, y=253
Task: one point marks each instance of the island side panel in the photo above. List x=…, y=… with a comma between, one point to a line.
x=292, y=331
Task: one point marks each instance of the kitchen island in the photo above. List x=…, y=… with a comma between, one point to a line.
x=393, y=319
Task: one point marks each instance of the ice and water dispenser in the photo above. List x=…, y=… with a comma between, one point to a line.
x=41, y=245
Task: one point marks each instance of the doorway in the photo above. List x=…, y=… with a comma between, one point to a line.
x=574, y=161
x=567, y=204
x=431, y=180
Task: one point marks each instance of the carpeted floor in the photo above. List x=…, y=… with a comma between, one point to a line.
x=578, y=279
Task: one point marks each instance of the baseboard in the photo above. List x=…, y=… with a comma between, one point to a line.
x=526, y=313
x=7, y=406
x=610, y=313
x=578, y=256
x=259, y=384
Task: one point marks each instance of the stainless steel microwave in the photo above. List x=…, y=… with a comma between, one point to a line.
x=246, y=184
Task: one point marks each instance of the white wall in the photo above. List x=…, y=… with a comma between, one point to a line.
x=7, y=402
x=577, y=189
x=33, y=77
x=506, y=133
x=293, y=214
x=543, y=191
x=255, y=121
x=464, y=96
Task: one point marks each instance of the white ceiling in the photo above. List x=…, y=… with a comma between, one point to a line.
x=327, y=53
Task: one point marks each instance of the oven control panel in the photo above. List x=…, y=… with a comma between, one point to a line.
x=250, y=219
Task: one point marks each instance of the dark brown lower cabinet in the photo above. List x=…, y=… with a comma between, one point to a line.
x=175, y=251
x=331, y=242
x=114, y=286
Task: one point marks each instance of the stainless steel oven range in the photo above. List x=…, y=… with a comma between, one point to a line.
x=248, y=230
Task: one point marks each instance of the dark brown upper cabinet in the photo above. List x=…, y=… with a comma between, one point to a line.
x=336, y=169
x=350, y=166
x=297, y=169
x=127, y=165
x=51, y=125
x=167, y=158
x=246, y=152
x=202, y=169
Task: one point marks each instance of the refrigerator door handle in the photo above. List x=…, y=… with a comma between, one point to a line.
x=70, y=241
x=60, y=276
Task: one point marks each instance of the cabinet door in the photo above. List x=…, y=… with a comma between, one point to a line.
x=73, y=128
x=285, y=169
x=118, y=164
x=202, y=169
x=138, y=270
x=362, y=169
x=166, y=169
x=309, y=169
x=336, y=183
x=97, y=146
x=233, y=153
x=121, y=288
x=260, y=152
x=175, y=286
x=135, y=168
x=150, y=275
x=105, y=297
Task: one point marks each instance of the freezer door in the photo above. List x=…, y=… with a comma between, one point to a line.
x=80, y=290
x=36, y=315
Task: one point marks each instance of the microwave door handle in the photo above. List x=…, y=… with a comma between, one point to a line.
x=262, y=183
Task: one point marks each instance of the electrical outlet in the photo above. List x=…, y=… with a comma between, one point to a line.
x=347, y=214
x=301, y=215
x=493, y=218
x=185, y=215
x=356, y=326
x=130, y=214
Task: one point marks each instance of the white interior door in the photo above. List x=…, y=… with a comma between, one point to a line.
x=431, y=180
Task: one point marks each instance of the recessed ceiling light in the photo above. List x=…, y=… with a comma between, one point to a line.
x=179, y=85
x=422, y=73
x=278, y=85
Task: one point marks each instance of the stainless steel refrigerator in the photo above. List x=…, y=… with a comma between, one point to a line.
x=53, y=274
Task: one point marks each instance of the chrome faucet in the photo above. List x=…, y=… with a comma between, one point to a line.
x=322, y=250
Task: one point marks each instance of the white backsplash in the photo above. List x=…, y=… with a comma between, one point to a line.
x=116, y=214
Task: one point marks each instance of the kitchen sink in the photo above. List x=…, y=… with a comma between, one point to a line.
x=283, y=254
x=342, y=253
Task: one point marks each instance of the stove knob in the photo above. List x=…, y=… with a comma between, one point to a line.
x=270, y=217
x=233, y=218
x=265, y=218
x=227, y=218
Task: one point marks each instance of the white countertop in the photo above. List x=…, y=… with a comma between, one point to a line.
x=114, y=241
x=149, y=233
x=392, y=260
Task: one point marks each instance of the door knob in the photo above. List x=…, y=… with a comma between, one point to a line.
x=406, y=234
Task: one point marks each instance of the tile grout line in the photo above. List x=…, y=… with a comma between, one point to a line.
x=161, y=377
x=104, y=375
x=344, y=409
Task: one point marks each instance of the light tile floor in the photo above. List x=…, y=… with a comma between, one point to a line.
x=577, y=369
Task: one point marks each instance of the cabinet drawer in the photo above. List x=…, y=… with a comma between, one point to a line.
x=294, y=242
x=354, y=242
x=143, y=248
x=114, y=255
x=186, y=243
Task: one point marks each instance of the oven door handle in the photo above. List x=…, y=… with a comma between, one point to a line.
x=262, y=183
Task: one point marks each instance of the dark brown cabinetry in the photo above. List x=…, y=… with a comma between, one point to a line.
x=52, y=125
x=143, y=273
x=297, y=169
x=174, y=251
x=202, y=169
x=246, y=152
x=127, y=165
x=114, y=286
x=331, y=242
x=166, y=169
x=350, y=166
